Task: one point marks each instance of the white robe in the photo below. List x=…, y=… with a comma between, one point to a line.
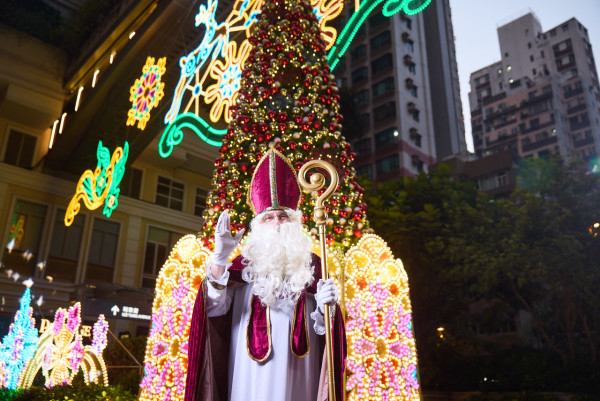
x=283, y=376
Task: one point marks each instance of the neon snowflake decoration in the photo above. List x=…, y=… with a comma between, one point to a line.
x=146, y=92
x=19, y=345
x=382, y=356
x=165, y=364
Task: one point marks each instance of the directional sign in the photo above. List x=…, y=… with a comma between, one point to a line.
x=118, y=310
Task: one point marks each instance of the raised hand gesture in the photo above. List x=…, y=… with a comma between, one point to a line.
x=224, y=242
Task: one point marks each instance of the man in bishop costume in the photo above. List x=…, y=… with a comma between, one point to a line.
x=257, y=330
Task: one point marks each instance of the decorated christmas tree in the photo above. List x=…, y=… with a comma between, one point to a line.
x=19, y=345
x=288, y=99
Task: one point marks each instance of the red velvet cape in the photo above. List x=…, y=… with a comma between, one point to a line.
x=207, y=379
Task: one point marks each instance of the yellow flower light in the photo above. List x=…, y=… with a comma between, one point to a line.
x=382, y=355
x=165, y=364
x=60, y=353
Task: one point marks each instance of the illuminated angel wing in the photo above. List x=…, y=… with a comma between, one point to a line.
x=165, y=363
x=382, y=356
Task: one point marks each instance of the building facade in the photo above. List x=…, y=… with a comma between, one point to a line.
x=543, y=95
x=54, y=110
x=403, y=76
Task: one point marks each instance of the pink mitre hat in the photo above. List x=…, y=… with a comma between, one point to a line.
x=274, y=184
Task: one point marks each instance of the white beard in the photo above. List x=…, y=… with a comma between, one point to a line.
x=279, y=259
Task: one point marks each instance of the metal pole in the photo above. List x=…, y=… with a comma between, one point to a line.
x=317, y=181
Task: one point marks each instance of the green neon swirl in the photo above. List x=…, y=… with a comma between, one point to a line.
x=173, y=133
x=391, y=7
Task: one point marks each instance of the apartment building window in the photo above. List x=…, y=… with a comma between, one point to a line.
x=529, y=45
x=415, y=115
x=20, y=148
x=365, y=121
x=385, y=138
x=417, y=162
x=565, y=27
x=381, y=40
x=377, y=20
x=564, y=45
x=388, y=164
x=366, y=170
x=360, y=75
x=542, y=55
x=102, y=252
x=531, y=57
x=408, y=23
x=493, y=181
x=415, y=136
x=413, y=90
x=169, y=193
x=362, y=97
x=385, y=111
x=541, y=136
x=384, y=87
x=359, y=52
x=25, y=229
x=565, y=61
x=363, y=147
x=410, y=46
x=382, y=63
x=158, y=244
x=412, y=69
x=132, y=183
x=200, y=201
x=361, y=31
x=552, y=33
x=61, y=264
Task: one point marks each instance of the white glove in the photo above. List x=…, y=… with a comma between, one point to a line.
x=224, y=242
x=327, y=293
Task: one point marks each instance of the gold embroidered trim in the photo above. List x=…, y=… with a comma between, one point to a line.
x=216, y=285
x=305, y=328
x=273, y=180
x=268, y=332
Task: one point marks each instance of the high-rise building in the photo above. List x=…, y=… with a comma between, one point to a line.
x=542, y=96
x=402, y=73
